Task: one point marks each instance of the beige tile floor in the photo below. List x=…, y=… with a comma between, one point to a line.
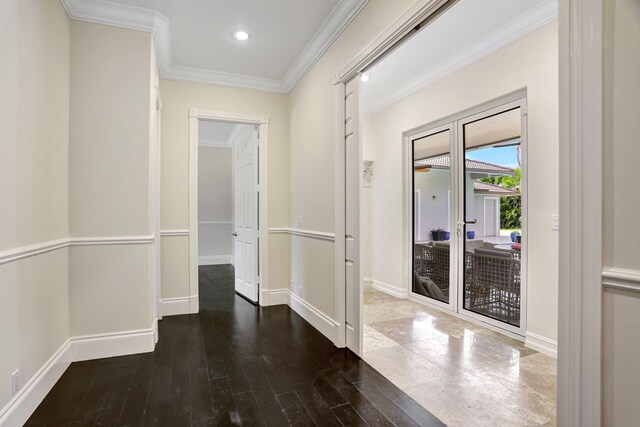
x=465, y=374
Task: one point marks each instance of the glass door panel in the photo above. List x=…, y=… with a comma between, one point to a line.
x=492, y=216
x=432, y=216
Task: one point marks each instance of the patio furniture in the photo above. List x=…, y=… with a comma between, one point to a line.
x=515, y=253
x=427, y=287
x=492, y=284
x=432, y=261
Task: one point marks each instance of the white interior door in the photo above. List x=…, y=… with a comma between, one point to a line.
x=353, y=225
x=245, y=213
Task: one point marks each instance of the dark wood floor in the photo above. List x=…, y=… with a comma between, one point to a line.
x=232, y=364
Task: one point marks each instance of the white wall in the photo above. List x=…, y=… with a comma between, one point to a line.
x=109, y=191
x=34, y=141
x=215, y=205
x=621, y=310
x=478, y=206
x=178, y=98
x=313, y=118
x=530, y=62
x=434, y=213
x=435, y=188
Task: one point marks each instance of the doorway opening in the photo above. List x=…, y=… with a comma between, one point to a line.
x=227, y=207
x=450, y=281
x=227, y=197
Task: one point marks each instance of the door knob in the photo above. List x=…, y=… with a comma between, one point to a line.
x=235, y=234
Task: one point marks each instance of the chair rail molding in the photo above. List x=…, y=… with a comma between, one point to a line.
x=621, y=278
x=125, y=16
x=16, y=254
x=167, y=233
x=116, y=240
x=215, y=222
x=311, y=234
x=19, y=253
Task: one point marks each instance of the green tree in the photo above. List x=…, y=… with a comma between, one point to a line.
x=510, y=207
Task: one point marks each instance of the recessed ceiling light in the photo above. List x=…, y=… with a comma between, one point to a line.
x=365, y=77
x=241, y=35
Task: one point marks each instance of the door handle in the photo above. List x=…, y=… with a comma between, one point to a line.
x=235, y=234
x=475, y=221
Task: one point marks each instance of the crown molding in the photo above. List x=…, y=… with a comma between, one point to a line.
x=199, y=75
x=339, y=18
x=515, y=29
x=125, y=16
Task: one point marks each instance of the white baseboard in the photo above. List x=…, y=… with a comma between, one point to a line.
x=75, y=349
x=542, y=344
x=194, y=304
x=274, y=297
x=215, y=260
x=388, y=289
x=323, y=323
x=110, y=345
x=174, y=306
x=24, y=403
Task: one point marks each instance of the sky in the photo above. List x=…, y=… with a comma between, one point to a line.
x=501, y=156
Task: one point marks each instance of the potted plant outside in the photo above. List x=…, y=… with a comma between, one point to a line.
x=440, y=234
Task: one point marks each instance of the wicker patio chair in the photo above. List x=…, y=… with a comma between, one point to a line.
x=492, y=285
x=433, y=262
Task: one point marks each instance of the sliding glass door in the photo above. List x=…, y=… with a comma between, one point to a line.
x=469, y=242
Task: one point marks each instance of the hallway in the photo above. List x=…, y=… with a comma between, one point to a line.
x=232, y=364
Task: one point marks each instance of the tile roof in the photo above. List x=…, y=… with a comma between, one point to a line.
x=486, y=188
x=444, y=162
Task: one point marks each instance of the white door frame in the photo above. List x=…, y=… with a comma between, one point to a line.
x=263, y=218
x=417, y=223
x=581, y=36
x=581, y=141
x=155, y=161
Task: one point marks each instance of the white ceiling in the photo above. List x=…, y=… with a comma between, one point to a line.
x=195, y=37
x=217, y=134
x=468, y=31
